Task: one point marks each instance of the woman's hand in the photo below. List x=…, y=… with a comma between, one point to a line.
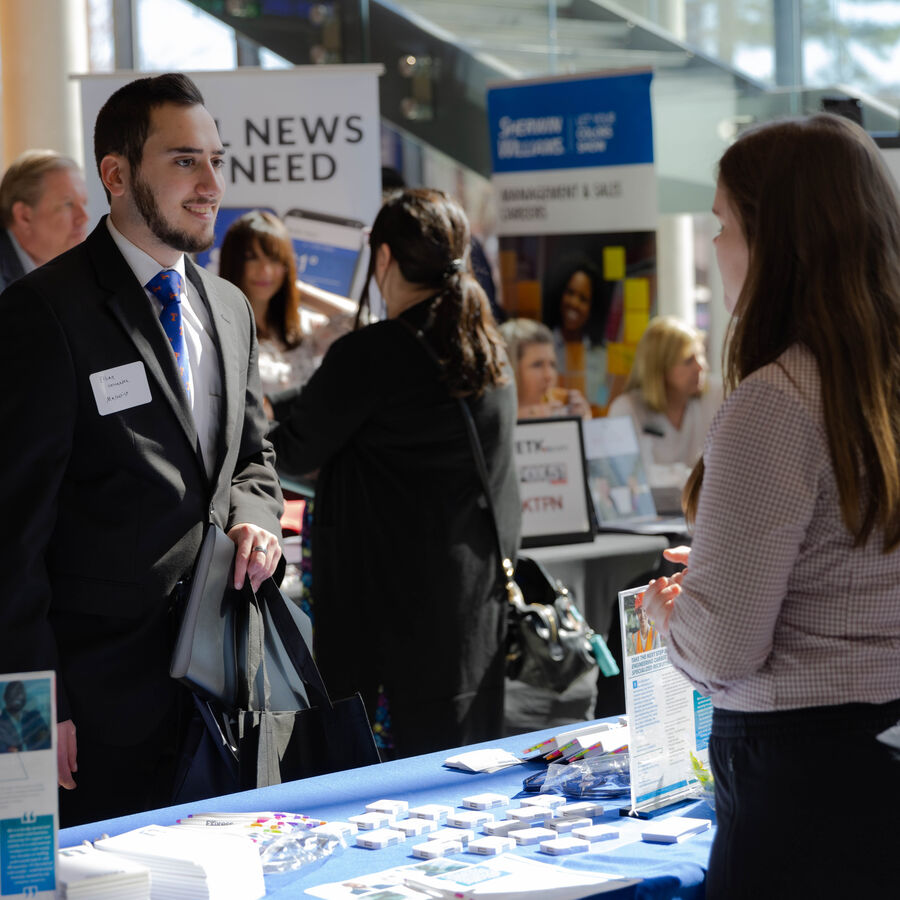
x=578, y=405
x=659, y=598
x=678, y=555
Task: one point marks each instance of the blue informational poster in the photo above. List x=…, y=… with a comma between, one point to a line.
x=28, y=785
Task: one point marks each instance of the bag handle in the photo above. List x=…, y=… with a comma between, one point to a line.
x=294, y=644
x=507, y=569
x=257, y=689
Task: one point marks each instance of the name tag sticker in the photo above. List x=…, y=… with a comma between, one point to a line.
x=120, y=388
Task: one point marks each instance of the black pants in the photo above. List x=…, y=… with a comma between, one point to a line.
x=807, y=804
x=114, y=781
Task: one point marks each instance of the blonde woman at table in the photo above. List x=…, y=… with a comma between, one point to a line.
x=788, y=614
x=669, y=398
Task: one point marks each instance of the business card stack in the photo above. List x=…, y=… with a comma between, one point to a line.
x=83, y=873
x=192, y=864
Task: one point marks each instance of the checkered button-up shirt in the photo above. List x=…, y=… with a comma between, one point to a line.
x=779, y=609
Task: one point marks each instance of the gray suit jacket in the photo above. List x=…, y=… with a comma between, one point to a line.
x=10, y=264
x=103, y=514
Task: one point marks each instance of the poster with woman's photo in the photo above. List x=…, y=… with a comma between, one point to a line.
x=595, y=292
x=28, y=785
x=576, y=193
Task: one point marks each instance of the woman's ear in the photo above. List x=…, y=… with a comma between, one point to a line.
x=383, y=259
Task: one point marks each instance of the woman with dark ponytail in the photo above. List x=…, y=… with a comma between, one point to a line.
x=410, y=606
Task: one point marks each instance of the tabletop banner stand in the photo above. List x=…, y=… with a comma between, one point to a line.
x=302, y=143
x=556, y=506
x=576, y=192
x=29, y=817
x=670, y=721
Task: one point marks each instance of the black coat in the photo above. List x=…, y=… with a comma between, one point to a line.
x=10, y=265
x=104, y=513
x=406, y=586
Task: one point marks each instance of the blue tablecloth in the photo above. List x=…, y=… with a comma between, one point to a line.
x=668, y=870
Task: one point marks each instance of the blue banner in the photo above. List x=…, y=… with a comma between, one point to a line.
x=567, y=124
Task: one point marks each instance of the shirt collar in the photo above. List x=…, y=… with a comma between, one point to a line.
x=28, y=264
x=142, y=264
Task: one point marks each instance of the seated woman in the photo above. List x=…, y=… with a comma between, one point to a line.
x=669, y=397
x=410, y=596
x=533, y=357
x=258, y=256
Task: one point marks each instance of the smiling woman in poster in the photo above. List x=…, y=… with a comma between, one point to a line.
x=576, y=303
x=788, y=614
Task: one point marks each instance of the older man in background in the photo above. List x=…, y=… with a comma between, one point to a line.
x=43, y=208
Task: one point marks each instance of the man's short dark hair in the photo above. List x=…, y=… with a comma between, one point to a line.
x=124, y=121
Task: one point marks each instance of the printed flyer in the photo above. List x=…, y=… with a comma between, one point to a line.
x=669, y=720
x=28, y=784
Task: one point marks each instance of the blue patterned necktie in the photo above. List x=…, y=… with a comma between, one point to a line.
x=166, y=286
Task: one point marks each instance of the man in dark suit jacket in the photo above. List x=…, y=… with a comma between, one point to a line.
x=113, y=465
x=43, y=211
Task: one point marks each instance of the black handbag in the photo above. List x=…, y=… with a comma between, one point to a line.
x=549, y=644
x=252, y=743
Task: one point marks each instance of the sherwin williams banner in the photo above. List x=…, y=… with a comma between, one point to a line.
x=577, y=211
x=573, y=154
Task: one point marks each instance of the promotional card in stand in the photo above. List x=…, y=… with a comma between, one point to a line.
x=549, y=455
x=669, y=720
x=28, y=785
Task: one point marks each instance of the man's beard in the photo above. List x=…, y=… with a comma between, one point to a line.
x=161, y=228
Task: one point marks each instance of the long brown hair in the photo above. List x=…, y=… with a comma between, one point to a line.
x=428, y=235
x=820, y=214
x=262, y=227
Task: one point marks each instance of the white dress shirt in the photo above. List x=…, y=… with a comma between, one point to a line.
x=203, y=356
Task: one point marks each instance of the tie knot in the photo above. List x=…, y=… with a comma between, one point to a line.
x=166, y=286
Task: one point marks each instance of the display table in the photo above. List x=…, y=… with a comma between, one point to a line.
x=668, y=870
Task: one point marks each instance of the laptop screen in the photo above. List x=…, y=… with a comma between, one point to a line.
x=615, y=472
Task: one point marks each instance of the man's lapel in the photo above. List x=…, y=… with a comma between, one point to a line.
x=130, y=305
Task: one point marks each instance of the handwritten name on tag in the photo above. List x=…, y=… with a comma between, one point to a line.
x=121, y=387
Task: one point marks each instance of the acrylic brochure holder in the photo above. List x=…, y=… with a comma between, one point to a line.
x=669, y=720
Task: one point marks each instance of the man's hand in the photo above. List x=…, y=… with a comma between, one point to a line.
x=66, y=754
x=257, y=554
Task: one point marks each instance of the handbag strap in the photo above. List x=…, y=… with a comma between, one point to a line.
x=507, y=570
x=294, y=644
x=257, y=688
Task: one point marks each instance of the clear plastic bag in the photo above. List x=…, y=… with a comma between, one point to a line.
x=287, y=852
x=587, y=779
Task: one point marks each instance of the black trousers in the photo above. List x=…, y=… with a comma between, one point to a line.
x=114, y=781
x=807, y=804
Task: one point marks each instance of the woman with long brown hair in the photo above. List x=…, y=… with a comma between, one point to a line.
x=408, y=596
x=258, y=256
x=788, y=616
